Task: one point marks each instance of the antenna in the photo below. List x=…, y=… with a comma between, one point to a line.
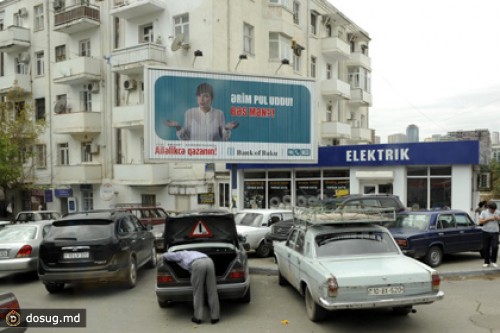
x=177, y=42
x=60, y=106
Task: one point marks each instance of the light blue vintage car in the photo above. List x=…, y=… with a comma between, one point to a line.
x=347, y=261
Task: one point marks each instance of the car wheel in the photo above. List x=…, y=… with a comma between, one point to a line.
x=54, y=287
x=403, y=310
x=434, y=256
x=281, y=279
x=314, y=311
x=131, y=278
x=247, y=297
x=263, y=251
x=154, y=259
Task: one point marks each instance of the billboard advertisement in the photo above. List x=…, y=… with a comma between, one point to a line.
x=207, y=117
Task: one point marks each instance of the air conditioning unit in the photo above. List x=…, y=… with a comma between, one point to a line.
x=94, y=87
x=58, y=4
x=94, y=148
x=23, y=12
x=129, y=84
x=24, y=57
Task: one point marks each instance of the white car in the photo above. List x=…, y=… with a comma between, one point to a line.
x=254, y=224
x=36, y=215
x=352, y=264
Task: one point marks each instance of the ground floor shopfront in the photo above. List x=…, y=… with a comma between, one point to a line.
x=424, y=175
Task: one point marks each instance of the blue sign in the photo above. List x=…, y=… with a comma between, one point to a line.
x=48, y=196
x=63, y=192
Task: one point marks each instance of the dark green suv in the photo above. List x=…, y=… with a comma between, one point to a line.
x=360, y=201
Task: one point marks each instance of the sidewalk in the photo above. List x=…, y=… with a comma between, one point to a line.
x=468, y=264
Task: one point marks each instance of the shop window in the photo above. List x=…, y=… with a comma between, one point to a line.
x=254, y=194
x=279, y=174
x=335, y=173
x=279, y=193
x=429, y=188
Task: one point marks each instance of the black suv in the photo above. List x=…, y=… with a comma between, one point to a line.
x=97, y=246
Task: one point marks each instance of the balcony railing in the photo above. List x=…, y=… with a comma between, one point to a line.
x=335, y=88
x=335, y=130
x=78, y=123
x=23, y=81
x=131, y=60
x=77, y=18
x=14, y=39
x=359, y=59
x=141, y=174
x=128, y=9
x=360, y=97
x=335, y=48
x=361, y=135
x=78, y=174
x=77, y=70
x=128, y=116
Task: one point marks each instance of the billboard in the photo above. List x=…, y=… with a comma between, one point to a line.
x=208, y=117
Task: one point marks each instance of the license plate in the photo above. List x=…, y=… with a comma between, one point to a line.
x=396, y=290
x=75, y=255
x=4, y=253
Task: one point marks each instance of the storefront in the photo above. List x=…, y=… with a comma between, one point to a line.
x=424, y=175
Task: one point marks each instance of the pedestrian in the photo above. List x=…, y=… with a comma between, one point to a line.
x=489, y=220
x=202, y=270
x=203, y=123
x=480, y=207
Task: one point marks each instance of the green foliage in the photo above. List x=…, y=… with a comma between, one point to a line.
x=495, y=179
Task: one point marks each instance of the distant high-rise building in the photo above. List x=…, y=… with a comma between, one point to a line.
x=412, y=133
x=397, y=138
x=495, y=138
x=484, y=138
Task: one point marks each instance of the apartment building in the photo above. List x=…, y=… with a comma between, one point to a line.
x=81, y=63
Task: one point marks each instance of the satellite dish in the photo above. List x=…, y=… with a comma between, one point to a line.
x=60, y=106
x=177, y=42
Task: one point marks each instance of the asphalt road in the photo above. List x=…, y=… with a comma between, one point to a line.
x=470, y=305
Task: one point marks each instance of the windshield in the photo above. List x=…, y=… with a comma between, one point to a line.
x=50, y=215
x=249, y=219
x=355, y=243
x=411, y=221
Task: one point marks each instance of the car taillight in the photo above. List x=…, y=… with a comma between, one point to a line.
x=163, y=278
x=332, y=287
x=25, y=251
x=14, y=304
x=436, y=281
x=402, y=242
x=237, y=274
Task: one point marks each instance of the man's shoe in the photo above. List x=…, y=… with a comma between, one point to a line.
x=196, y=320
x=486, y=265
x=494, y=265
x=214, y=321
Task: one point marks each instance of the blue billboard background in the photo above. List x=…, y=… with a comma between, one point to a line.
x=290, y=123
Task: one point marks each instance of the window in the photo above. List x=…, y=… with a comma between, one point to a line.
x=313, y=66
x=248, y=39
x=329, y=113
x=279, y=46
x=314, y=23
x=296, y=12
x=146, y=33
x=329, y=71
x=40, y=67
x=224, y=195
x=360, y=78
x=60, y=53
x=41, y=156
x=63, y=153
x=285, y=3
x=40, y=109
x=38, y=17
x=86, y=100
x=84, y=48
x=429, y=188
x=148, y=199
x=297, y=62
x=87, y=199
x=181, y=26
x=86, y=152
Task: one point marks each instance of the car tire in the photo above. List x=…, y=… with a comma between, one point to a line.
x=403, y=310
x=281, y=280
x=434, y=256
x=263, y=251
x=131, y=277
x=54, y=288
x=314, y=311
x=247, y=297
x=154, y=259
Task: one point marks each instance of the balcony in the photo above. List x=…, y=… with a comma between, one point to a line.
x=361, y=135
x=359, y=59
x=78, y=174
x=77, y=18
x=141, y=174
x=128, y=9
x=128, y=116
x=360, y=97
x=84, y=124
x=335, y=89
x=22, y=81
x=335, y=48
x=131, y=60
x=335, y=130
x=14, y=39
x=77, y=71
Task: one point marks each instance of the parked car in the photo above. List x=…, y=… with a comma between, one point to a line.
x=357, y=201
x=212, y=232
x=147, y=214
x=8, y=303
x=337, y=263
x=253, y=224
x=278, y=232
x=96, y=246
x=19, y=246
x=428, y=235
x=36, y=215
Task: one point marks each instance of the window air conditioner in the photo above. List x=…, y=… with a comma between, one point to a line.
x=129, y=84
x=94, y=148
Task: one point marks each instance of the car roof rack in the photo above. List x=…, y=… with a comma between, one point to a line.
x=325, y=216
x=134, y=204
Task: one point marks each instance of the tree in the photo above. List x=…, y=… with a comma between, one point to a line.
x=495, y=179
x=18, y=136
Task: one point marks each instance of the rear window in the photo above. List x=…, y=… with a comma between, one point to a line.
x=17, y=233
x=81, y=229
x=249, y=219
x=411, y=221
x=354, y=243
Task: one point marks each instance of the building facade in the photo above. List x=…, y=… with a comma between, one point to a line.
x=81, y=64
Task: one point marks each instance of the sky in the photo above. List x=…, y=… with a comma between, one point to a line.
x=435, y=63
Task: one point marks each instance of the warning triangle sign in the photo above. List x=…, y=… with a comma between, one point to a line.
x=200, y=229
